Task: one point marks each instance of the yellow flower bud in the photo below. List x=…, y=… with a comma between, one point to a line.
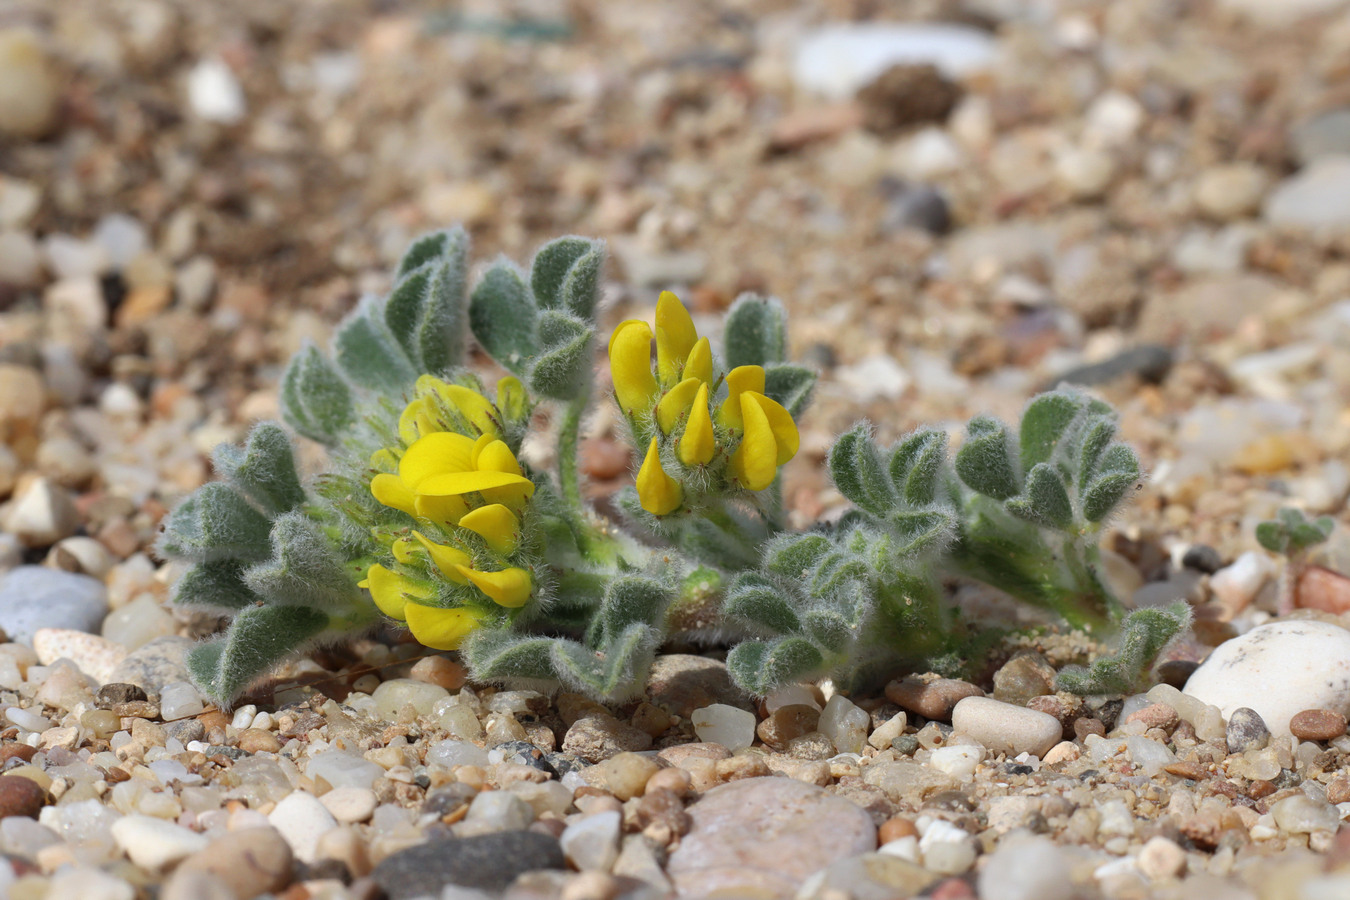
x=675, y=404
x=495, y=524
x=698, y=444
x=509, y=587
x=630, y=366
x=675, y=337
x=658, y=492
x=441, y=629
x=700, y=362
x=769, y=441
x=511, y=398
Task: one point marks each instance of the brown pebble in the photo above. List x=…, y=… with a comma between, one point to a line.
x=1186, y=769
x=258, y=740
x=1259, y=790
x=1086, y=725
x=21, y=797
x=652, y=719
x=1317, y=725
x=676, y=781
x=930, y=699
x=1321, y=588
x=14, y=749
x=786, y=723
x=440, y=671
x=895, y=828
x=213, y=718
x=1155, y=715
x=1339, y=790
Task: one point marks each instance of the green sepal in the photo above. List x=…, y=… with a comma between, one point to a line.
x=562, y=370
x=258, y=639
x=755, y=332
x=315, y=401
x=263, y=469
x=215, y=585
x=502, y=315
x=304, y=569
x=790, y=385
x=215, y=523
x=1044, y=500
x=916, y=464
x=761, y=666
x=367, y=352
x=565, y=274
x=858, y=473
x=984, y=463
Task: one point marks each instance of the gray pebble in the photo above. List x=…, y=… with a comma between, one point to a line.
x=489, y=862
x=1246, y=731
x=160, y=662
x=33, y=597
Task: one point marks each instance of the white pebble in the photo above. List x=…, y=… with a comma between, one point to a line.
x=154, y=843
x=592, y=843
x=27, y=719
x=960, y=762
x=456, y=753
x=1005, y=728
x=243, y=716
x=350, y=804
x=729, y=726
x=844, y=724
x=888, y=731
x=179, y=700
x=500, y=811
x=1236, y=585
x=302, y=820
x=215, y=94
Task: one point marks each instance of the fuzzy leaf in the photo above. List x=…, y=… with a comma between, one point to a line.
x=215, y=523
x=1273, y=536
x=857, y=471
x=215, y=585
x=1145, y=632
x=565, y=275
x=315, y=401
x=1094, y=441
x=761, y=605
x=984, y=463
x=631, y=600
x=404, y=307
x=761, y=666
x=563, y=368
x=258, y=639
x=916, y=465
x=263, y=470
x=304, y=569
x=1119, y=472
x=791, y=385
x=1044, y=423
x=616, y=671
x=502, y=315
x=439, y=336
x=427, y=248
x=368, y=353
x=828, y=629
x=501, y=654
x=792, y=556
x=1045, y=499
x=755, y=332
x=920, y=530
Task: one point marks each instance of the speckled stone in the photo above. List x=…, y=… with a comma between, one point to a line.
x=94, y=656
x=1246, y=730
x=1005, y=728
x=764, y=836
x=153, y=665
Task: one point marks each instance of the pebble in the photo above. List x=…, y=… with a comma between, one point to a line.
x=1278, y=670
x=1026, y=867
x=888, y=731
x=89, y=884
x=488, y=862
x=214, y=93
x=30, y=89
x=766, y=831
x=34, y=597
x=258, y=740
x=1084, y=172
x=786, y=723
x=1229, y=191
x=138, y=622
x=349, y=804
x=877, y=377
x=836, y=61
x=94, y=656
x=20, y=796
x=179, y=700
x=931, y=699
x=726, y=725
x=391, y=696
x=338, y=768
x=1302, y=814
x=42, y=514
x=598, y=736
x=441, y=672
x=1004, y=728
x=960, y=762
x=20, y=259
x=871, y=876
x=499, y=811
x=625, y=775
x=188, y=885
x=1246, y=730
x=1236, y=585
x=1326, y=134
x=1161, y=858
x=1023, y=677
x=302, y=820
x=844, y=724
x=592, y=842
x=1321, y=588
x=1316, y=197
x=1317, y=725
x=682, y=683
x=153, y=843
x=156, y=664
x=250, y=861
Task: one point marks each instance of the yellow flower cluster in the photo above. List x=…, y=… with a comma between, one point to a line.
x=758, y=432
x=451, y=480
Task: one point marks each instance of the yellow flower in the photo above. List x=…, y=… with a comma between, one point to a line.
x=681, y=355
x=446, y=559
x=441, y=469
x=509, y=587
x=392, y=591
x=658, y=493
x=496, y=524
x=698, y=443
x=433, y=398
x=675, y=337
x=770, y=439
x=630, y=365
x=441, y=629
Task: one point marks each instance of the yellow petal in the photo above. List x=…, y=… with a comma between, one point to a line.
x=441, y=629
x=513, y=496
x=403, y=549
x=781, y=424
x=700, y=364
x=511, y=398
x=473, y=406
x=384, y=460
x=739, y=380
x=434, y=454
x=495, y=524
x=444, y=511
x=658, y=492
x=391, y=591
x=496, y=457
x=755, y=462
x=447, y=559
x=509, y=587
x=698, y=443
x=675, y=404
x=413, y=420
x=630, y=365
x=675, y=337
x=391, y=491
x=466, y=482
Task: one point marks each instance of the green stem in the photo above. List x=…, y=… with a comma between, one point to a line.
x=569, y=473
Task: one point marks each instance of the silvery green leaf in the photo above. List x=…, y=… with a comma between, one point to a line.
x=502, y=315
x=755, y=332
x=264, y=469
x=315, y=401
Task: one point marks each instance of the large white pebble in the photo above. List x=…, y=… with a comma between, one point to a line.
x=1005, y=728
x=1278, y=670
x=154, y=843
x=302, y=820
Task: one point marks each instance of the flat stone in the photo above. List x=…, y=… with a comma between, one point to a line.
x=1278, y=670
x=155, y=843
x=598, y=736
x=302, y=820
x=250, y=861
x=34, y=597
x=1317, y=725
x=94, y=656
x=766, y=835
x=931, y=699
x=1005, y=728
x=1318, y=196
x=592, y=842
x=682, y=683
x=349, y=804
x=156, y=664
x=488, y=862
